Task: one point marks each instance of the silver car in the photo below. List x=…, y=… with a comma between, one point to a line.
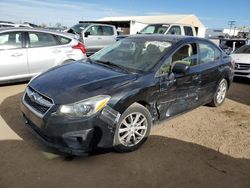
x=26, y=52
x=241, y=58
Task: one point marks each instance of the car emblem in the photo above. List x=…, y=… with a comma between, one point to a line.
x=34, y=97
x=237, y=66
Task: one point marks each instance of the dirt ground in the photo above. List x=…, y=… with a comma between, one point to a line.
x=207, y=147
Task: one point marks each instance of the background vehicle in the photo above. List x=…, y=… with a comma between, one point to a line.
x=113, y=98
x=26, y=52
x=230, y=45
x=94, y=36
x=4, y=24
x=166, y=29
x=242, y=61
x=169, y=29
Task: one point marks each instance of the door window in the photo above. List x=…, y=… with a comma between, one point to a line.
x=11, y=40
x=187, y=54
x=100, y=30
x=175, y=30
x=42, y=39
x=208, y=53
x=188, y=31
x=107, y=30
x=95, y=30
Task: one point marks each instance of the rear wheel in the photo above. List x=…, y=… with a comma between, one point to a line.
x=220, y=94
x=133, y=128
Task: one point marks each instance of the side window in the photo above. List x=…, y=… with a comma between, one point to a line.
x=188, y=31
x=187, y=54
x=11, y=40
x=95, y=30
x=175, y=30
x=149, y=29
x=208, y=53
x=42, y=39
x=63, y=40
x=107, y=30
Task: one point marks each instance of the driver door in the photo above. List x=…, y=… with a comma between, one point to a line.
x=179, y=92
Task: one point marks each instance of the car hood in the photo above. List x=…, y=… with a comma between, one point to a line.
x=241, y=58
x=80, y=80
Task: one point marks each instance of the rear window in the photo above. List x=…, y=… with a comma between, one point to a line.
x=63, y=40
x=42, y=39
x=188, y=31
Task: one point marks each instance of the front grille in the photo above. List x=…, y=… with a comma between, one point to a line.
x=242, y=66
x=37, y=102
x=241, y=73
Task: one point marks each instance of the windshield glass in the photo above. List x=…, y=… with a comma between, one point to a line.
x=155, y=29
x=243, y=50
x=136, y=55
x=79, y=27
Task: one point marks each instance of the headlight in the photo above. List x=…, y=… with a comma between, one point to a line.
x=84, y=108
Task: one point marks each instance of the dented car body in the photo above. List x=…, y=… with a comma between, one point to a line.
x=77, y=107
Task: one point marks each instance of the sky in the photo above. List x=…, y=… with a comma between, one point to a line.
x=213, y=13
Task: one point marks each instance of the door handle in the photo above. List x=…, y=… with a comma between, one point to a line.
x=16, y=54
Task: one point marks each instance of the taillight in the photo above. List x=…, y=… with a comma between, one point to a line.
x=81, y=47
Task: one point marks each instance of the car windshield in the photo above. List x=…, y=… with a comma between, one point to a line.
x=79, y=27
x=155, y=29
x=243, y=50
x=136, y=55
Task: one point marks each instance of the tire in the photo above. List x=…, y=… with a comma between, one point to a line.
x=137, y=129
x=220, y=94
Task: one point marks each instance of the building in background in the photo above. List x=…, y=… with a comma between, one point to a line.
x=133, y=24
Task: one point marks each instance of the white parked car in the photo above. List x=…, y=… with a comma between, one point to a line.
x=26, y=52
x=242, y=61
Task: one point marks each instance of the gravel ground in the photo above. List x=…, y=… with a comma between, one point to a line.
x=207, y=147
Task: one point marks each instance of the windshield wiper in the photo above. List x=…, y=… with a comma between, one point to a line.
x=108, y=63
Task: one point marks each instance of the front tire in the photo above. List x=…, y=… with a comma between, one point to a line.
x=133, y=128
x=220, y=94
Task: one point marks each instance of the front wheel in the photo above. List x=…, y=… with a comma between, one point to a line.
x=133, y=128
x=220, y=94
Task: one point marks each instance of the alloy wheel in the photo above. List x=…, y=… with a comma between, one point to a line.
x=132, y=129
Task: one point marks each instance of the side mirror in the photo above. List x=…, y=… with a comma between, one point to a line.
x=180, y=68
x=86, y=34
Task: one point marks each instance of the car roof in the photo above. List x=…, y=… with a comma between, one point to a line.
x=161, y=37
x=9, y=29
x=170, y=23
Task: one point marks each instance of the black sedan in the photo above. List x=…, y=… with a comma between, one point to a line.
x=112, y=99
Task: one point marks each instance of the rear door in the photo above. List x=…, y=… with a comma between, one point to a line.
x=179, y=93
x=13, y=61
x=43, y=51
x=209, y=65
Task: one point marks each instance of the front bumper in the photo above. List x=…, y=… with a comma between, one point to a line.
x=72, y=136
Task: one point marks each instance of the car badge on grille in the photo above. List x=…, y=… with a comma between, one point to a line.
x=34, y=97
x=237, y=65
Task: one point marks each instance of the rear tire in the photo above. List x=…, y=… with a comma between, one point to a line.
x=133, y=128
x=220, y=94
